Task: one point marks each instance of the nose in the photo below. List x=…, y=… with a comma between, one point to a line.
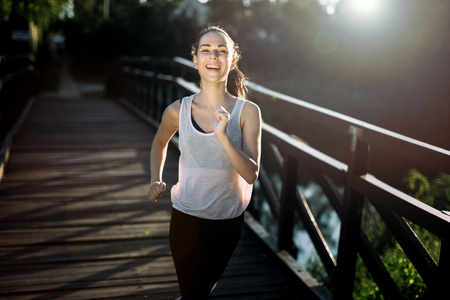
x=214, y=54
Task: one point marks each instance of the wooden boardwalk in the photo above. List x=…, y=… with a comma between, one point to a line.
x=75, y=222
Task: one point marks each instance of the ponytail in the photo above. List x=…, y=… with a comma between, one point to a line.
x=236, y=83
x=236, y=79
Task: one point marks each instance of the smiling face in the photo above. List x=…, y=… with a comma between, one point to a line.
x=214, y=57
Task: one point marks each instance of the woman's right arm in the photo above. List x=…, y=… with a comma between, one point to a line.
x=166, y=130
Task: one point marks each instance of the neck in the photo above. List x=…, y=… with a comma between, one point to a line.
x=214, y=95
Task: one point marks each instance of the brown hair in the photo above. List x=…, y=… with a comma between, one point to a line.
x=236, y=79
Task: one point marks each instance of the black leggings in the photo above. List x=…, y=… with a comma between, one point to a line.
x=201, y=249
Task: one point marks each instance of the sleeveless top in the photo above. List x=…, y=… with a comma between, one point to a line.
x=208, y=186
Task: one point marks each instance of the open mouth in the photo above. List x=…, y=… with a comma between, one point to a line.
x=212, y=67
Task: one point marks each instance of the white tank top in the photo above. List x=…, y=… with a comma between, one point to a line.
x=208, y=185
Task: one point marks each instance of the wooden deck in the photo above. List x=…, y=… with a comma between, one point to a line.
x=75, y=222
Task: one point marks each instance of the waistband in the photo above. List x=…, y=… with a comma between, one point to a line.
x=237, y=221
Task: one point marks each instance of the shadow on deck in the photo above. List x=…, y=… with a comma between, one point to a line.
x=75, y=222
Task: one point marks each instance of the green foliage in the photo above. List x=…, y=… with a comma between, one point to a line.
x=402, y=271
x=317, y=270
x=435, y=193
x=419, y=186
x=39, y=12
x=410, y=283
x=365, y=288
x=5, y=10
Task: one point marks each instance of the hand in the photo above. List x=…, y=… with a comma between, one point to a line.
x=222, y=117
x=155, y=190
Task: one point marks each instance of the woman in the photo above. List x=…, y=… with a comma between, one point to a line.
x=219, y=140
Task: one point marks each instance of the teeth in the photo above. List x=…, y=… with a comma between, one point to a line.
x=212, y=67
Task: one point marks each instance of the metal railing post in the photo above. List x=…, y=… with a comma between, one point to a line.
x=350, y=218
x=287, y=206
x=443, y=276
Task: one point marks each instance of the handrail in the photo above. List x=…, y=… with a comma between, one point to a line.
x=430, y=155
x=333, y=167
x=15, y=74
x=400, y=203
x=143, y=84
x=11, y=63
x=18, y=82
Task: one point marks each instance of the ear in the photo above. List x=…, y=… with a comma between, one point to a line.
x=194, y=60
x=233, y=64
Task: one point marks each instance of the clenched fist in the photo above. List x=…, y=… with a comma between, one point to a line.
x=155, y=190
x=222, y=117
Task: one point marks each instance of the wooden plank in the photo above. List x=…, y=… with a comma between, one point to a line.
x=83, y=234
x=74, y=216
x=25, y=256
x=82, y=213
x=86, y=271
x=75, y=222
x=85, y=291
x=153, y=282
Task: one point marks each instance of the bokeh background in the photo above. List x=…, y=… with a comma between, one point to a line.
x=385, y=62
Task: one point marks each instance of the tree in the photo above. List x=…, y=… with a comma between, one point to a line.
x=133, y=28
x=39, y=12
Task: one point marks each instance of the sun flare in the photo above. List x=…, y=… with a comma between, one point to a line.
x=366, y=8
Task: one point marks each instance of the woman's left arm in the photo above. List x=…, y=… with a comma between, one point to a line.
x=246, y=160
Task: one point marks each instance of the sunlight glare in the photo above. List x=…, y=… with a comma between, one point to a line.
x=366, y=8
x=329, y=5
x=331, y=10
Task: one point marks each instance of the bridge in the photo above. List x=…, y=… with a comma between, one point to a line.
x=75, y=224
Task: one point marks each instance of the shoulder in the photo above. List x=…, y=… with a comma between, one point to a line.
x=170, y=118
x=250, y=113
x=176, y=105
x=251, y=109
x=172, y=112
x=173, y=109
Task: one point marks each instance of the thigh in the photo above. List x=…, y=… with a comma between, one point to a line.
x=222, y=243
x=201, y=250
x=189, y=255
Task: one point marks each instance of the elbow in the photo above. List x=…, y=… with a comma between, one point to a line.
x=251, y=179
